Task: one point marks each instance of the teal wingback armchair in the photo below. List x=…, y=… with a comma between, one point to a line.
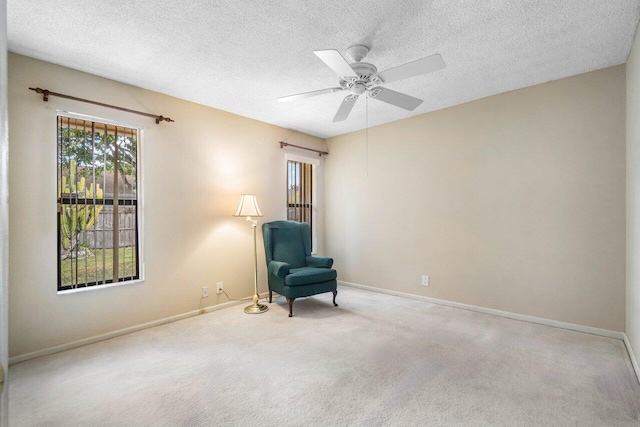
x=293, y=272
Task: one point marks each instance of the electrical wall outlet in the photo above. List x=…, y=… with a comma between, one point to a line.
x=219, y=287
x=205, y=291
x=425, y=280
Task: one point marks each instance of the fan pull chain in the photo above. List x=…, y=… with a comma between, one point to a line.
x=366, y=156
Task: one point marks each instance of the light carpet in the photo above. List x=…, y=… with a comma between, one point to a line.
x=375, y=360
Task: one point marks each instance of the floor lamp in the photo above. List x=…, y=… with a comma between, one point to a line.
x=248, y=206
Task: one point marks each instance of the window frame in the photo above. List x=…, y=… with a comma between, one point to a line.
x=315, y=164
x=139, y=223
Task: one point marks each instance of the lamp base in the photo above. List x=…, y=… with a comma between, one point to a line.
x=255, y=309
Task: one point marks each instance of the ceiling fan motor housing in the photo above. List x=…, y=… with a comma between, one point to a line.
x=366, y=77
x=364, y=69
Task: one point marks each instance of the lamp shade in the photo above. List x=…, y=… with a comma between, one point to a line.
x=248, y=206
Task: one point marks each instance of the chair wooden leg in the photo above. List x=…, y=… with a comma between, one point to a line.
x=335, y=293
x=290, y=301
x=270, y=296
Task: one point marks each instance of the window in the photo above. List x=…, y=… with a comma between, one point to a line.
x=97, y=203
x=300, y=192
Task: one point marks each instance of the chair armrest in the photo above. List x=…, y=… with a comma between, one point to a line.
x=319, y=261
x=278, y=268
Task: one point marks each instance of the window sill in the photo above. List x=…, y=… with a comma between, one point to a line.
x=95, y=288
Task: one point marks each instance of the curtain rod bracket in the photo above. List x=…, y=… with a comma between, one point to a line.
x=286, y=144
x=46, y=93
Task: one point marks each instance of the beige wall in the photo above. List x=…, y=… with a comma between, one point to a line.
x=514, y=202
x=193, y=172
x=4, y=217
x=633, y=196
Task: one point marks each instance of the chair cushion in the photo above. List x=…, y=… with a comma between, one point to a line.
x=309, y=275
x=288, y=247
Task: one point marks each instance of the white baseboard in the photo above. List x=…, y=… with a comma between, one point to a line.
x=79, y=343
x=632, y=356
x=532, y=319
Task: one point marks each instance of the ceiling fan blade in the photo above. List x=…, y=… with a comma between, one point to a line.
x=412, y=69
x=395, y=98
x=336, y=62
x=309, y=94
x=345, y=108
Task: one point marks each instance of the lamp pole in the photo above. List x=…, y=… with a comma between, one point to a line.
x=255, y=308
x=248, y=207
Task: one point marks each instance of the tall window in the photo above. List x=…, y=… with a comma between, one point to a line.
x=299, y=192
x=97, y=203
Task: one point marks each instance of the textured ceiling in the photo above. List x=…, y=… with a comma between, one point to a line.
x=239, y=55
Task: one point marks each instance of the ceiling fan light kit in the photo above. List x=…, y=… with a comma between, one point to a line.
x=362, y=78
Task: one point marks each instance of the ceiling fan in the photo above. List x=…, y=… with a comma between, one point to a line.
x=361, y=77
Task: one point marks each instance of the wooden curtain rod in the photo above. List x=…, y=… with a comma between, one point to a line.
x=47, y=93
x=286, y=144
